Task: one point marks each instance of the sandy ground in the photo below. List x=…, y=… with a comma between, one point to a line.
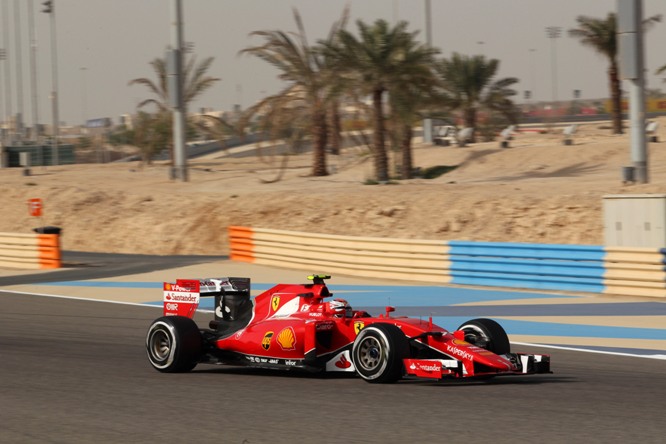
x=537, y=190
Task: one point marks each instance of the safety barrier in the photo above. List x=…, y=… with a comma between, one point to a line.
x=30, y=251
x=579, y=268
x=538, y=266
x=635, y=271
x=407, y=259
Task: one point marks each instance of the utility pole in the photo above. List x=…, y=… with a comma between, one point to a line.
x=175, y=79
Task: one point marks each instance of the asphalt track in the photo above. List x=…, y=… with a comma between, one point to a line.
x=74, y=370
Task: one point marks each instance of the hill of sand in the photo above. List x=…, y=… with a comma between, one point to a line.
x=537, y=190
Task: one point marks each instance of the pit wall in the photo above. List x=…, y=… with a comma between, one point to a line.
x=573, y=268
x=30, y=251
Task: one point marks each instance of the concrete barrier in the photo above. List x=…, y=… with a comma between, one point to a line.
x=30, y=251
x=580, y=268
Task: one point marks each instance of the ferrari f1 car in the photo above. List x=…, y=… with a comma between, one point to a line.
x=298, y=327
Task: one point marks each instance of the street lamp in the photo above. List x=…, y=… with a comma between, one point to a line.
x=49, y=8
x=553, y=33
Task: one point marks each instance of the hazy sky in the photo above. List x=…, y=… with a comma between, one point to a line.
x=114, y=40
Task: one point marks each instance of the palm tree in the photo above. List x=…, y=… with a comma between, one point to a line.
x=601, y=35
x=195, y=82
x=308, y=93
x=375, y=63
x=468, y=85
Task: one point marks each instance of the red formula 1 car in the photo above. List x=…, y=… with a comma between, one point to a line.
x=294, y=327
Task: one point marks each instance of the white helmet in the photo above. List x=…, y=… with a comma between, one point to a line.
x=340, y=308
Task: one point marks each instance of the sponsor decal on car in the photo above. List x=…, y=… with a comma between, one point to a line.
x=325, y=325
x=266, y=342
x=343, y=362
x=275, y=302
x=358, y=326
x=424, y=368
x=286, y=339
x=454, y=351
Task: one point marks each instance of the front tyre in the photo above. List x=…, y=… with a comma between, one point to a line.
x=174, y=344
x=487, y=334
x=378, y=352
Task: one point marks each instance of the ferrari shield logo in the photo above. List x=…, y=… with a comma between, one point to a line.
x=275, y=303
x=358, y=326
x=266, y=342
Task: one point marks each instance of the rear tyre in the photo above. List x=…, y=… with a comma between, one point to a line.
x=378, y=352
x=487, y=334
x=174, y=344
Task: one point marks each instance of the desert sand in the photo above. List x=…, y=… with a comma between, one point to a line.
x=537, y=190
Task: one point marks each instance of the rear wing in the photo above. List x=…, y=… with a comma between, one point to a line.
x=182, y=298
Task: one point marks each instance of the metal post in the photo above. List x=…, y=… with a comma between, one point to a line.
x=33, y=77
x=8, y=77
x=554, y=33
x=19, y=74
x=632, y=69
x=427, y=123
x=50, y=9
x=176, y=94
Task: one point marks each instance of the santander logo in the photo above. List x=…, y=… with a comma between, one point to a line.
x=343, y=362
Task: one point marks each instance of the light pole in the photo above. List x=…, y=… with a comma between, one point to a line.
x=8, y=78
x=49, y=8
x=427, y=123
x=532, y=78
x=175, y=75
x=33, y=77
x=553, y=33
x=84, y=101
x=19, y=73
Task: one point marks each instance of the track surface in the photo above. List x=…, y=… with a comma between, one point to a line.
x=75, y=371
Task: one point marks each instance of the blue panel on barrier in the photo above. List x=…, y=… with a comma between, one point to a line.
x=523, y=266
x=525, y=250
x=533, y=284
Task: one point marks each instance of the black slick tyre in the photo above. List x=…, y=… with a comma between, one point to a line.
x=378, y=352
x=487, y=334
x=173, y=344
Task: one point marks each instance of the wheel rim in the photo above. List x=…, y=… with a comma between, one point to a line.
x=370, y=353
x=476, y=336
x=160, y=345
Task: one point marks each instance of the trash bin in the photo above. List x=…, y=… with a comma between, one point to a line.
x=48, y=230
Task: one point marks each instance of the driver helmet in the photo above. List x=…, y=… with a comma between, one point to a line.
x=340, y=308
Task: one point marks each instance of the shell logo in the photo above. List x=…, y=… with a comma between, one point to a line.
x=287, y=339
x=460, y=342
x=167, y=286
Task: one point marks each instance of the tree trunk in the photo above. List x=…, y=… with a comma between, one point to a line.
x=335, y=128
x=616, y=97
x=320, y=139
x=381, y=160
x=406, y=146
x=470, y=121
